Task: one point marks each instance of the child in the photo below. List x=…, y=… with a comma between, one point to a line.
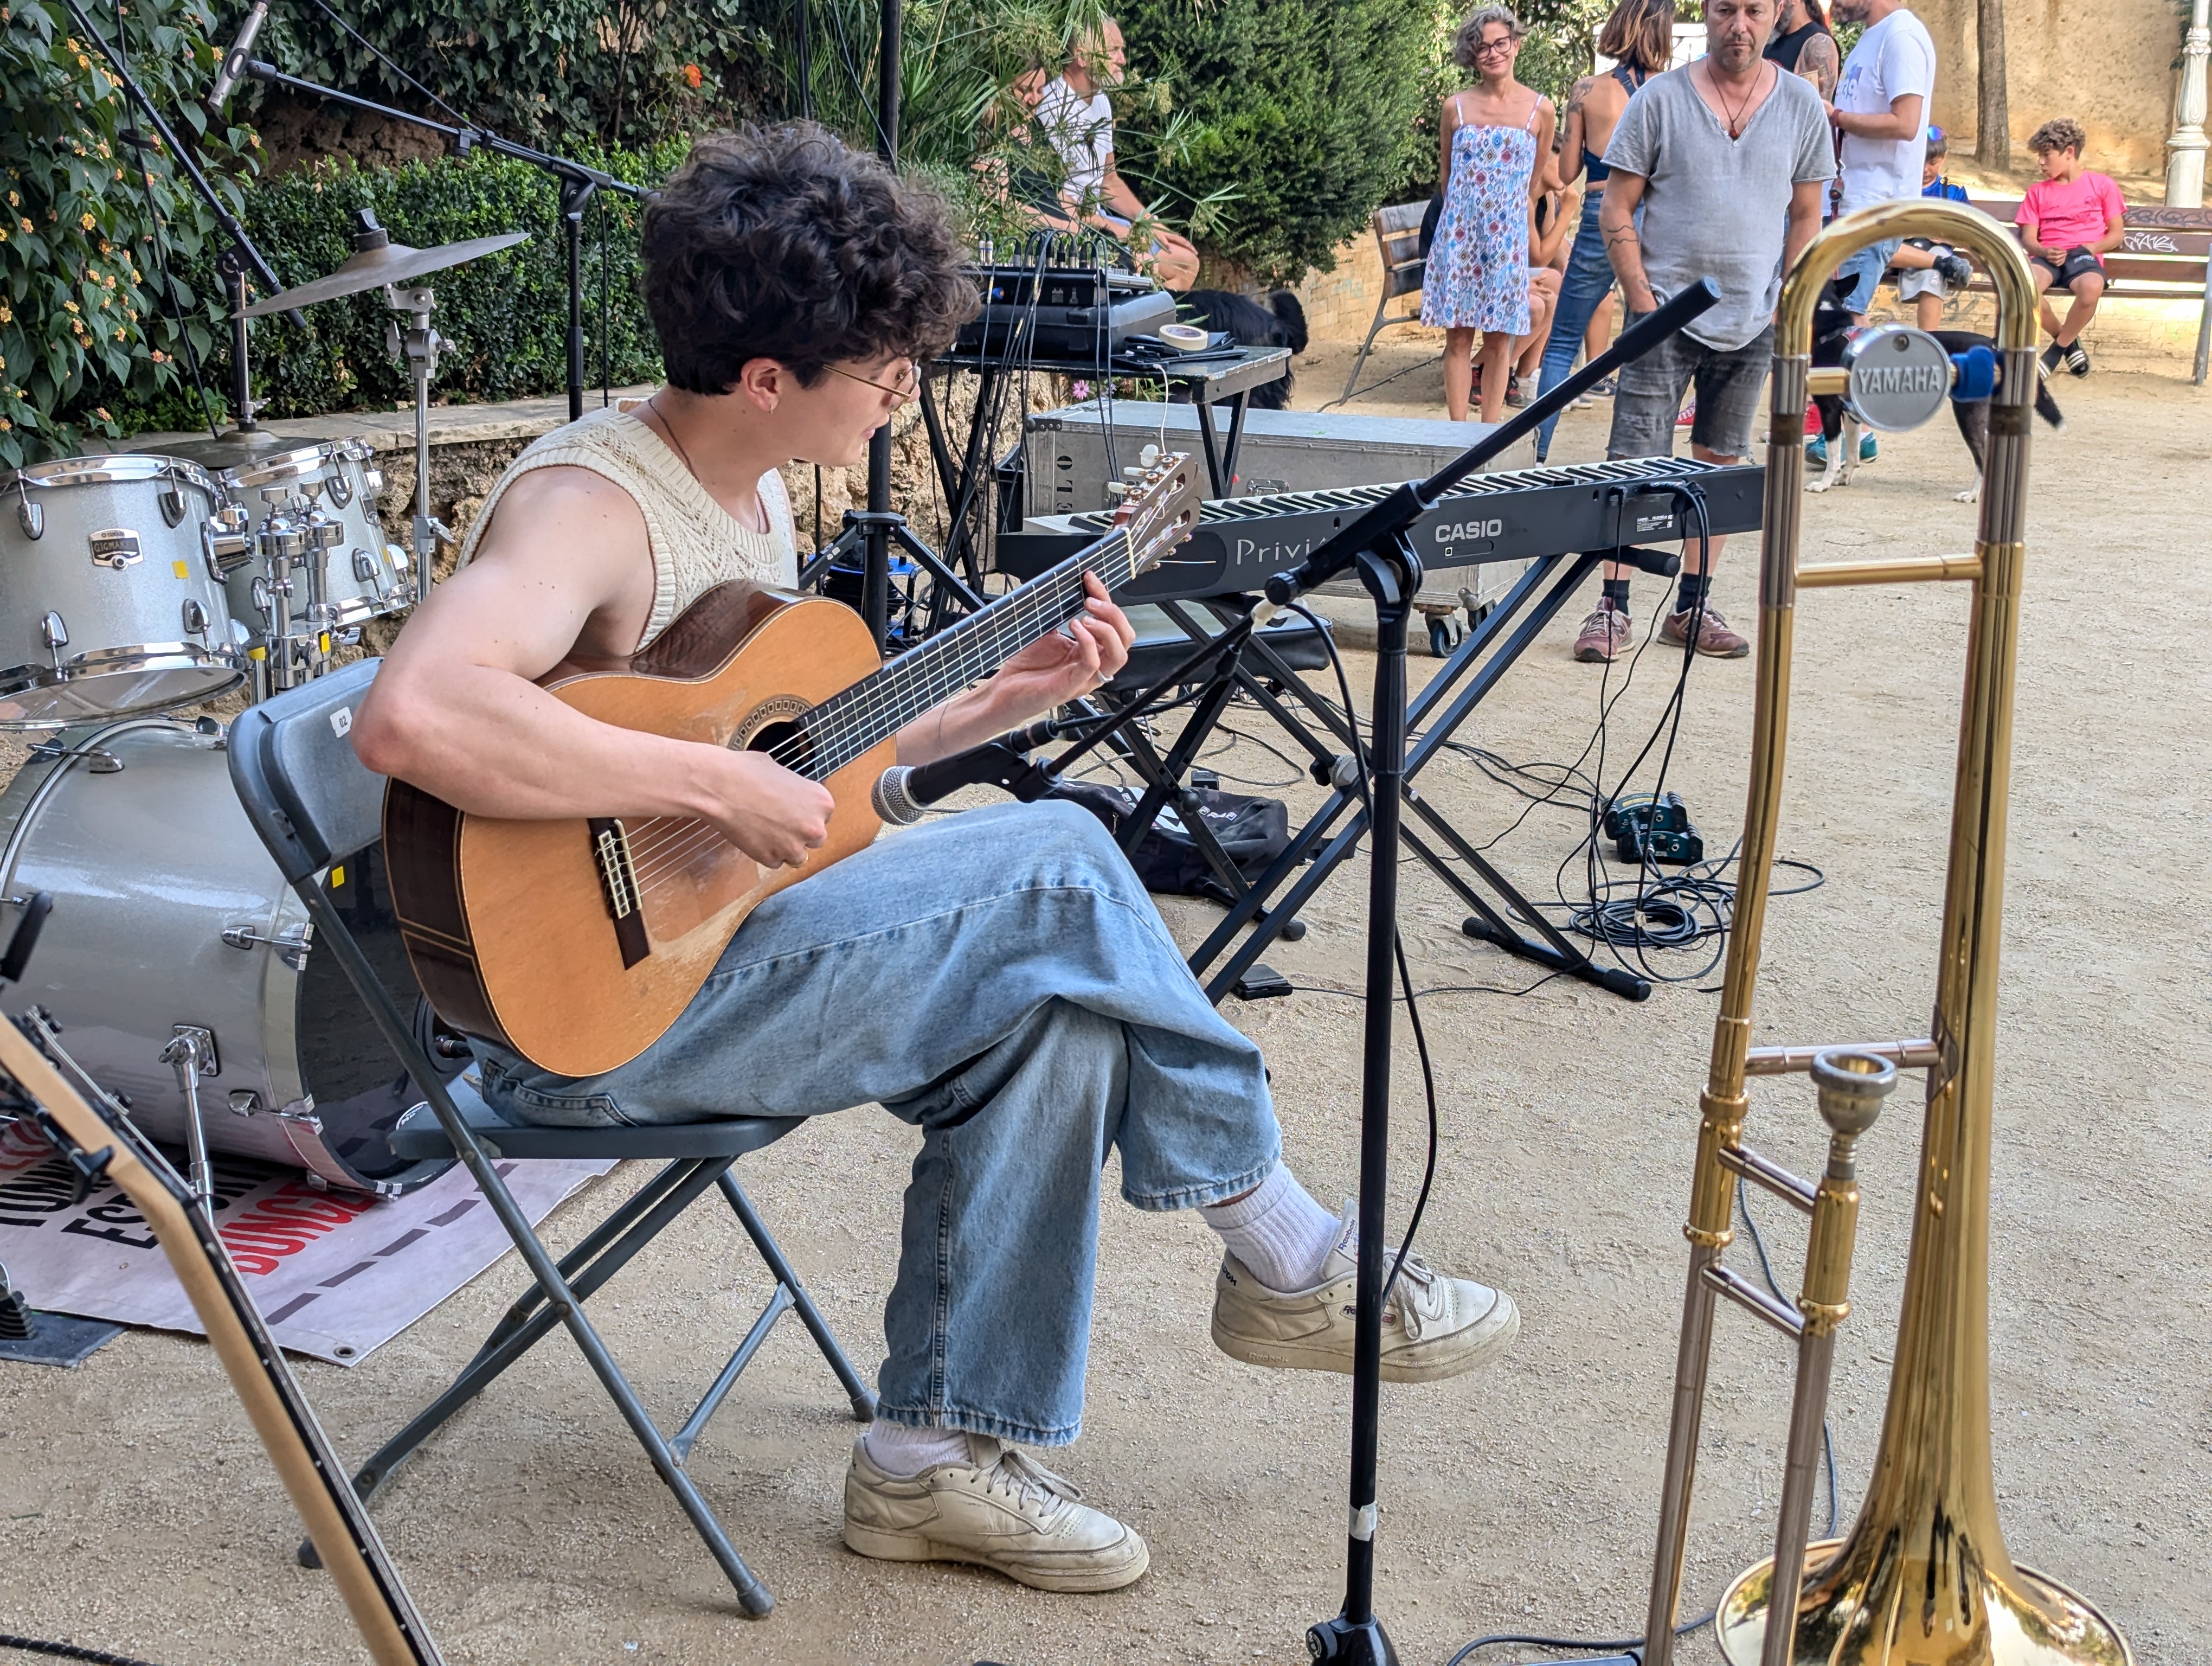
x=2068, y=218
x=1929, y=273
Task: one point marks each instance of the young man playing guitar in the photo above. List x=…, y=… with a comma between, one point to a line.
x=996, y=978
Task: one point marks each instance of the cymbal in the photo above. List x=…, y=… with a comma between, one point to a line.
x=376, y=261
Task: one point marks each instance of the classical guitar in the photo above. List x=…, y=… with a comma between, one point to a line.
x=576, y=944
x=102, y=1144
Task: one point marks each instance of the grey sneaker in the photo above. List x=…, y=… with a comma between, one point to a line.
x=1001, y=1510
x=1433, y=1326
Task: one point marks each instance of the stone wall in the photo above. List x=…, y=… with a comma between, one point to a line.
x=2108, y=64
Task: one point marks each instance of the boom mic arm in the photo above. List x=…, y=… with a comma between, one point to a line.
x=235, y=61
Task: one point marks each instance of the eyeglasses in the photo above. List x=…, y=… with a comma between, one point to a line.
x=1494, y=48
x=907, y=387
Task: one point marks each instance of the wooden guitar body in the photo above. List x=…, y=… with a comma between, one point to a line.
x=577, y=943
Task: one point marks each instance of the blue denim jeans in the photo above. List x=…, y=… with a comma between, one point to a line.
x=998, y=979
x=1589, y=279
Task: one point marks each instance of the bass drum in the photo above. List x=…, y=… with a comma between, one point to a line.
x=167, y=911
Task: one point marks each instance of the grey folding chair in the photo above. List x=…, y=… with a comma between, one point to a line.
x=1397, y=228
x=314, y=802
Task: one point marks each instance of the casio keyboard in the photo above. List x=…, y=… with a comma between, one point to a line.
x=1512, y=515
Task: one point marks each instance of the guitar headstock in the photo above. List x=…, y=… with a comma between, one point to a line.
x=1160, y=503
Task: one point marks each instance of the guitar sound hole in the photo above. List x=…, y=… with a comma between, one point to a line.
x=786, y=743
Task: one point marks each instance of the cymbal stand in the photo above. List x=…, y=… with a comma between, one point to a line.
x=416, y=347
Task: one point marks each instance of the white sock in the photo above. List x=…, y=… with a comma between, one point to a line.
x=1276, y=1230
x=902, y=1452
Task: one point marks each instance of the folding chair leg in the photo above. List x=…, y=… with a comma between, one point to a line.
x=1365, y=346
x=592, y=1244
x=684, y=1438
x=508, y=1344
x=863, y=1403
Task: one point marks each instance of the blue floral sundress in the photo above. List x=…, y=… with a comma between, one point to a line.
x=1478, y=272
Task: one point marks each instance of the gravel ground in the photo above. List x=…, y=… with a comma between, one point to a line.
x=136, y=1512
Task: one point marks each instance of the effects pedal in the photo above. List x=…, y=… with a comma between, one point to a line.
x=1658, y=831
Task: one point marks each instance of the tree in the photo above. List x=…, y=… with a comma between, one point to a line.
x=1301, y=117
x=1992, y=118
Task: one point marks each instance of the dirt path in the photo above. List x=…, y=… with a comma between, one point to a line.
x=137, y=1513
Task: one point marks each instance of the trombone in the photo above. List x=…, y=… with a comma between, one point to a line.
x=1923, y=1576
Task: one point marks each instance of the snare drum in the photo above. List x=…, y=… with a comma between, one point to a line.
x=167, y=911
x=111, y=589
x=317, y=541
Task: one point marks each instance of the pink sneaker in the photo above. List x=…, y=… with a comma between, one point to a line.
x=1687, y=416
x=1604, y=634
x=1714, y=636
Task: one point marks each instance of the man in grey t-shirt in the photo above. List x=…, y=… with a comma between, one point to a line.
x=1722, y=154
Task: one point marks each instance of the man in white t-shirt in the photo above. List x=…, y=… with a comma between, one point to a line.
x=1078, y=118
x=1880, y=110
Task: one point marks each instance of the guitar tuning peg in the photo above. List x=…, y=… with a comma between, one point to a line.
x=1119, y=489
x=1149, y=455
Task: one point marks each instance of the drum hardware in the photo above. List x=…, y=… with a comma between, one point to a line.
x=1923, y=1577
x=417, y=349
x=31, y=517
x=191, y=1053
x=53, y=752
x=54, y=632
x=293, y=943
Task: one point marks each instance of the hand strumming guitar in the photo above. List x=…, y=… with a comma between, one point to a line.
x=775, y=816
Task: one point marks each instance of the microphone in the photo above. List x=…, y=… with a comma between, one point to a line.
x=234, y=61
x=904, y=791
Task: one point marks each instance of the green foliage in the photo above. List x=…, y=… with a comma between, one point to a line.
x=1302, y=118
x=84, y=336
x=556, y=72
x=503, y=318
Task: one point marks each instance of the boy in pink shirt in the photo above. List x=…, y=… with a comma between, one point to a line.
x=2067, y=219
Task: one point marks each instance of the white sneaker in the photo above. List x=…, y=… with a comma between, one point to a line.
x=1433, y=1326
x=1000, y=1509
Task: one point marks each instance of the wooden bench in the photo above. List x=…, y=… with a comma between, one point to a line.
x=1398, y=236
x=2167, y=256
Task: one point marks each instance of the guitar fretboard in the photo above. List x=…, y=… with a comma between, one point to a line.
x=878, y=707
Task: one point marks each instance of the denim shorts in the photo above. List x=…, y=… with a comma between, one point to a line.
x=1860, y=273
x=1727, y=384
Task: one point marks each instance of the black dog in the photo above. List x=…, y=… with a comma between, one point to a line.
x=1840, y=431
x=1280, y=323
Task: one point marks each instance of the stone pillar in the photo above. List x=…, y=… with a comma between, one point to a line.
x=2184, y=166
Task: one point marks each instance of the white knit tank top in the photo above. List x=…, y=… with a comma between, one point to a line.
x=694, y=542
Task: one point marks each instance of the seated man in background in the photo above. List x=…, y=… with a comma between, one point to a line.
x=1077, y=118
x=2068, y=218
x=997, y=979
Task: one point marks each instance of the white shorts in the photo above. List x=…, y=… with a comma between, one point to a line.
x=1924, y=281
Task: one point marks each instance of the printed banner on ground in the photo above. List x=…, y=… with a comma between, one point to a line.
x=335, y=1275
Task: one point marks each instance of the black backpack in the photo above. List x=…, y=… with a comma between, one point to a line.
x=1254, y=831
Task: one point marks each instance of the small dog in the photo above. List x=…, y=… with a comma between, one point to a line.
x=1281, y=322
x=1840, y=430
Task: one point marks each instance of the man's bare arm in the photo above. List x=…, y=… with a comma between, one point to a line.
x=1804, y=219
x=456, y=709
x=1567, y=161
x=1901, y=121
x=1818, y=62
x=1616, y=222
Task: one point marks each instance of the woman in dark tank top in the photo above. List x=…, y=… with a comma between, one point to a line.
x=1640, y=36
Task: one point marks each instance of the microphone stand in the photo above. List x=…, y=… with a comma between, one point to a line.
x=579, y=185
x=1379, y=547
x=237, y=260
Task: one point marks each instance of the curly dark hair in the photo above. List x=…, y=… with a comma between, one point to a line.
x=780, y=243
x=2060, y=133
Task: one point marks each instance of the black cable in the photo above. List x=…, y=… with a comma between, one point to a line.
x=377, y=53
x=32, y=1645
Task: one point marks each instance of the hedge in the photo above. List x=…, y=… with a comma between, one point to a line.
x=504, y=318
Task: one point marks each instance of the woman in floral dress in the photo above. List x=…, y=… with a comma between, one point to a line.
x=1497, y=148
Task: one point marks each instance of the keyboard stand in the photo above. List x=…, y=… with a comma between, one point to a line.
x=1434, y=715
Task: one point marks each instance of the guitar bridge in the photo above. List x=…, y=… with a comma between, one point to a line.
x=619, y=889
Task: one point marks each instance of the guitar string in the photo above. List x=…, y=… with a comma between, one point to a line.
x=1051, y=601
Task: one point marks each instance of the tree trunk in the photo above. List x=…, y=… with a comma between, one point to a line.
x=1992, y=118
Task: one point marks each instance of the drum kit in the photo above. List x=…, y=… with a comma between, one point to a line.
x=176, y=965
